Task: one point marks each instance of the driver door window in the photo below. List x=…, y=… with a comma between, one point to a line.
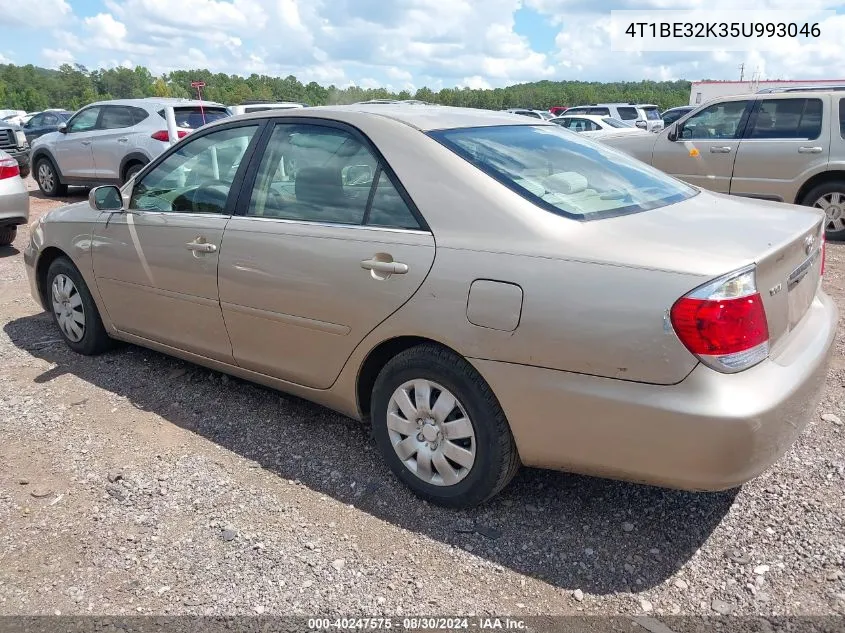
x=196, y=178
x=720, y=121
x=84, y=121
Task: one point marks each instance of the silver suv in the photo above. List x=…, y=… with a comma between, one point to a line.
x=788, y=147
x=645, y=116
x=108, y=142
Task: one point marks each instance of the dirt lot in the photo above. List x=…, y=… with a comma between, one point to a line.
x=136, y=483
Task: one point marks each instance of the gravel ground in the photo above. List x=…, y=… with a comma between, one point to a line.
x=135, y=483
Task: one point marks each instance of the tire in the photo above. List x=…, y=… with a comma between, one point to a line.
x=47, y=177
x=24, y=171
x=133, y=169
x=93, y=339
x=495, y=459
x=833, y=194
x=7, y=234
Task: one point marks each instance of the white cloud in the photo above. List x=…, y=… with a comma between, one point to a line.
x=40, y=14
x=55, y=57
x=475, y=82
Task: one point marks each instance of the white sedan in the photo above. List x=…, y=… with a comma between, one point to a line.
x=595, y=125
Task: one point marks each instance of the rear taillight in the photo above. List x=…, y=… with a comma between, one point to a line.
x=9, y=168
x=164, y=137
x=823, y=253
x=724, y=322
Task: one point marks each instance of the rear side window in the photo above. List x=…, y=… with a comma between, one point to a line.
x=562, y=173
x=627, y=114
x=652, y=114
x=115, y=118
x=597, y=111
x=577, y=111
x=787, y=118
x=842, y=118
x=138, y=114
x=193, y=116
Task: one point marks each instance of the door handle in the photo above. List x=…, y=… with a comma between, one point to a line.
x=199, y=245
x=122, y=139
x=809, y=150
x=720, y=150
x=86, y=142
x=389, y=268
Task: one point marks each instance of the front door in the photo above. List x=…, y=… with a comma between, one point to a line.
x=706, y=146
x=324, y=249
x=156, y=264
x=74, y=149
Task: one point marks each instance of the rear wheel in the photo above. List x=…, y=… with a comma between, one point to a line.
x=829, y=196
x=133, y=169
x=74, y=310
x=7, y=234
x=441, y=429
x=47, y=178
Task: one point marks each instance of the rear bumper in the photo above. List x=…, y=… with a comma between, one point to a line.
x=712, y=431
x=14, y=201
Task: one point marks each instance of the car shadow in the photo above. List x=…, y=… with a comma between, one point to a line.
x=74, y=194
x=571, y=531
x=8, y=251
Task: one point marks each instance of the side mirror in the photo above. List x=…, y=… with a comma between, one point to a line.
x=62, y=128
x=106, y=198
x=673, y=132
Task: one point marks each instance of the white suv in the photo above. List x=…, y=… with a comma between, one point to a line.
x=645, y=116
x=108, y=142
x=260, y=106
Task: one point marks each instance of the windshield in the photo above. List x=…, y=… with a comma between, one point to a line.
x=562, y=172
x=611, y=122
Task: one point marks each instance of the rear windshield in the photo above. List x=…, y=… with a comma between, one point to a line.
x=652, y=114
x=193, y=117
x=564, y=173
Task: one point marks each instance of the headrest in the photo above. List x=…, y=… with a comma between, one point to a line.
x=566, y=182
x=319, y=185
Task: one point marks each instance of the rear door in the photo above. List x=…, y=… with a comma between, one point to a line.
x=112, y=141
x=74, y=150
x=704, y=151
x=324, y=246
x=786, y=142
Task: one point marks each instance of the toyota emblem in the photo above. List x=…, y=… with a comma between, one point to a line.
x=808, y=243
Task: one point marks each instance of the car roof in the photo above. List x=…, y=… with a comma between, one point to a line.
x=421, y=117
x=159, y=101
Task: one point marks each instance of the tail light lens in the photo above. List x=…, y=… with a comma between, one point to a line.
x=9, y=168
x=823, y=253
x=163, y=136
x=724, y=322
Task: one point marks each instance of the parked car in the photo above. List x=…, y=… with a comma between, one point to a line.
x=557, y=110
x=593, y=125
x=644, y=116
x=673, y=114
x=537, y=114
x=803, y=89
x=14, y=143
x=526, y=309
x=14, y=199
x=788, y=147
x=260, y=106
x=111, y=141
x=44, y=122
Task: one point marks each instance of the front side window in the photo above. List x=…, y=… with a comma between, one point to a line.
x=49, y=119
x=562, y=173
x=719, y=121
x=37, y=121
x=85, y=120
x=598, y=111
x=197, y=177
x=787, y=119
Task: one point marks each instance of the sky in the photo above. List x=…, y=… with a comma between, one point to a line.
x=398, y=44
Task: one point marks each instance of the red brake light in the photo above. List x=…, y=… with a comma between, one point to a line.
x=9, y=168
x=164, y=137
x=724, y=323
x=824, y=252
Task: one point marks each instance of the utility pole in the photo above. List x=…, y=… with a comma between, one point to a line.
x=742, y=71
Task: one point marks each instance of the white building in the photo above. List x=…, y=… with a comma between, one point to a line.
x=703, y=91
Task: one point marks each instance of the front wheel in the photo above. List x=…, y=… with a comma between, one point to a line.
x=440, y=428
x=48, y=179
x=829, y=196
x=7, y=234
x=74, y=310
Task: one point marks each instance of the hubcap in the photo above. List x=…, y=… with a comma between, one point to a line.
x=45, y=177
x=68, y=308
x=431, y=432
x=834, y=209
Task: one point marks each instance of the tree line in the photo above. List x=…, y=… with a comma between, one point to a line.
x=34, y=88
